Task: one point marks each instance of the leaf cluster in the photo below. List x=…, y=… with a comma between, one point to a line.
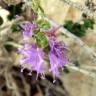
x=79, y=29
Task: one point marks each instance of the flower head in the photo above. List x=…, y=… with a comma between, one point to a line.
x=32, y=57
x=57, y=56
x=28, y=29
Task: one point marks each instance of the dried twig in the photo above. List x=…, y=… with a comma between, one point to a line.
x=83, y=71
x=88, y=67
x=14, y=44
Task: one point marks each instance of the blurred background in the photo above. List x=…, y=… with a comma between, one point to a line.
x=70, y=83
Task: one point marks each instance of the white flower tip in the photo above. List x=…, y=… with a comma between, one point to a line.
x=54, y=81
x=22, y=70
x=43, y=77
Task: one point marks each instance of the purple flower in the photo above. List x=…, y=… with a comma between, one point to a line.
x=28, y=29
x=57, y=56
x=33, y=57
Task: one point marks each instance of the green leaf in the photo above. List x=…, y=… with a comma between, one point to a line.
x=66, y=70
x=69, y=25
x=1, y=20
x=37, y=8
x=15, y=28
x=41, y=40
x=79, y=29
x=77, y=64
x=35, y=5
x=41, y=9
x=89, y=23
x=43, y=24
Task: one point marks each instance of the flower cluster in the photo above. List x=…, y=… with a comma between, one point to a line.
x=34, y=55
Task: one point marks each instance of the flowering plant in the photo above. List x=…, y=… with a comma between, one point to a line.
x=34, y=54
x=44, y=46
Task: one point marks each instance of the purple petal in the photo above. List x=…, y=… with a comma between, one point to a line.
x=28, y=29
x=54, y=64
x=33, y=56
